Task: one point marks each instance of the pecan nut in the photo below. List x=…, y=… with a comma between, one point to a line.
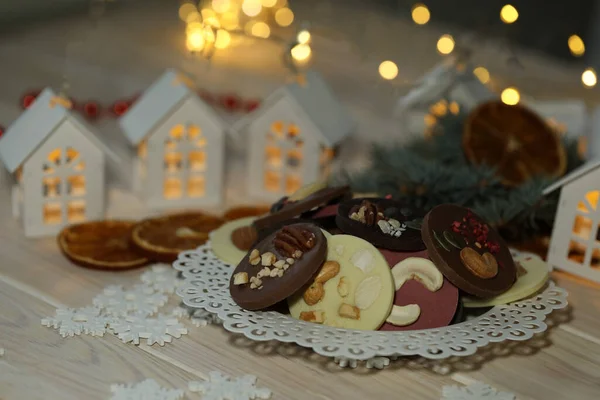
x=292, y=241
x=368, y=213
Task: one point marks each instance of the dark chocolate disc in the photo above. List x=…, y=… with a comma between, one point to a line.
x=290, y=209
x=405, y=237
x=447, y=230
x=304, y=243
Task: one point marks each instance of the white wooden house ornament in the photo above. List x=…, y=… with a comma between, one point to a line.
x=575, y=242
x=180, y=142
x=291, y=138
x=58, y=165
x=447, y=88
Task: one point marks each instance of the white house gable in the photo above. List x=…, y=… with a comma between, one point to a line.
x=282, y=138
x=63, y=181
x=185, y=156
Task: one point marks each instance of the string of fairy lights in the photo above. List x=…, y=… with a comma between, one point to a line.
x=213, y=25
x=446, y=44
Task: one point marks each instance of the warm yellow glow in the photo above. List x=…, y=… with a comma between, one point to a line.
x=301, y=52
x=420, y=14
x=207, y=13
x=388, y=70
x=248, y=27
x=230, y=20
x=76, y=211
x=510, y=96
x=482, y=74
x=195, y=41
x=221, y=6
x=172, y=188
x=576, y=45
x=439, y=109
x=52, y=213
x=269, y=3
x=195, y=186
x=193, y=16
x=260, y=29
x=509, y=14
x=186, y=9
x=193, y=26
x=272, y=181
x=209, y=34
x=77, y=185
x=589, y=78
x=284, y=17
x=454, y=108
x=445, y=44
x=251, y=7
x=223, y=39
x=303, y=37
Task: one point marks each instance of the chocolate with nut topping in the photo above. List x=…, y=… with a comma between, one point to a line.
x=288, y=210
x=289, y=257
x=386, y=223
x=468, y=251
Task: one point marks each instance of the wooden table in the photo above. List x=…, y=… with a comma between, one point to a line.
x=125, y=55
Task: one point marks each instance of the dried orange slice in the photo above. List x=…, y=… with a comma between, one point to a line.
x=101, y=245
x=162, y=238
x=515, y=140
x=245, y=211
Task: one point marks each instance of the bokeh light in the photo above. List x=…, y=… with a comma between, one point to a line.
x=186, y=9
x=420, y=14
x=195, y=41
x=303, y=37
x=509, y=14
x=510, y=96
x=576, y=45
x=482, y=74
x=260, y=29
x=221, y=6
x=445, y=44
x=223, y=39
x=388, y=70
x=588, y=78
x=301, y=52
x=284, y=17
x=251, y=7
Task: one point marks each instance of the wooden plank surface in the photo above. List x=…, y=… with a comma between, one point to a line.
x=129, y=49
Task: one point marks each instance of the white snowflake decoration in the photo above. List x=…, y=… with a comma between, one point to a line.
x=162, y=278
x=146, y=390
x=180, y=312
x=142, y=300
x=71, y=322
x=159, y=330
x=222, y=387
x=202, y=318
x=475, y=391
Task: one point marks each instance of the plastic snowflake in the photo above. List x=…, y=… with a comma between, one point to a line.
x=159, y=330
x=180, y=312
x=202, y=318
x=71, y=322
x=161, y=278
x=222, y=387
x=475, y=391
x=146, y=390
x=141, y=300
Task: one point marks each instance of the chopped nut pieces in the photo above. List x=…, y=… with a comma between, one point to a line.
x=240, y=278
x=317, y=317
x=263, y=272
x=289, y=260
x=279, y=264
x=255, y=282
x=348, y=311
x=342, y=287
x=254, y=257
x=267, y=259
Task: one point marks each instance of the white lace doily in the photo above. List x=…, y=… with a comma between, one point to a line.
x=206, y=286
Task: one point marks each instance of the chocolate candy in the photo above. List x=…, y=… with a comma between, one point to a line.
x=386, y=223
x=278, y=266
x=292, y=209
x=467, y=251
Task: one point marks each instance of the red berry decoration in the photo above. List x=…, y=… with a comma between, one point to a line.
x=231, y=102
x=120, y=108
x=252, y=105
x=28, y=99
x=91, y=110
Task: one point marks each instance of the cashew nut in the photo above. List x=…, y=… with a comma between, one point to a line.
x=420, y=269
x=328, y=270
x=314, y=294
x=404, y=315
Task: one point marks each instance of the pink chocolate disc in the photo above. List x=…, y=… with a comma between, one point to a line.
x=437, y=308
